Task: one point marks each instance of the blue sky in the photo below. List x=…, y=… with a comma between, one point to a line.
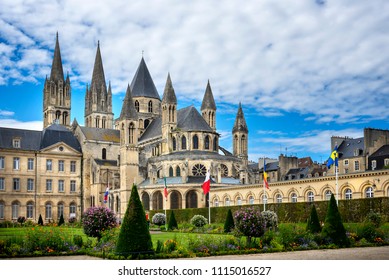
x=303, y=70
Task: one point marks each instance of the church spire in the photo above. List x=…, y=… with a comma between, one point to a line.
x=98, y=77
x=208, y=107
x=56, y=67
x=240, y=121
x=169, y=95
x=128, y=109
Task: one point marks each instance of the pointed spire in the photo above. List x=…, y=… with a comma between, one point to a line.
x=56, y=67
x=169, y=95
x=208, y=100
x=128, y=109
x=240, y=122
x=142, y=84
x=98, y=77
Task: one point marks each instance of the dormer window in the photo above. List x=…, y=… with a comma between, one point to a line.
x=373, y=164
x=16, y=143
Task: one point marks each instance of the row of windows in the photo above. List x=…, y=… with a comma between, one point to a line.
x=369, y=193
x=149, y=107
x=16, y=185
x=31, y=163
x=195, y=143
x=29, y=210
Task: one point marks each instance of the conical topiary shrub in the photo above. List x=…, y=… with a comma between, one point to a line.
x=333, y=229
x=134, y=236
x=40, y=220
x=313, y=223
x=61, y=220
x=229, y=224
x=172, y=224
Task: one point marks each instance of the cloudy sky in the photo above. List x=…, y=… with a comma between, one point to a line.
x=303, y=70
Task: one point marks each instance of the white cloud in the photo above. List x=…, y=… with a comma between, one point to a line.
x=4, y=113
x=325, y=59
x=30, y=125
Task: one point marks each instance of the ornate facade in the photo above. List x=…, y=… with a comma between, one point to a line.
x=154, y=142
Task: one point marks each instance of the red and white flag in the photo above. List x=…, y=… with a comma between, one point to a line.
x=207, y=183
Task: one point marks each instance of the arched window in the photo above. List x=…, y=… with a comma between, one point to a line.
x=238, y=201
x=104, y=121
x=206, y=142
x=131, y=132
x=170, y=171
x=147, y=122
x=215, y=144
x=174, y=144
x=178, y=171
x=348, y=194
x=227, y=201
x=1, y=210
x=310, y=196
x=15, y=210
x=369, y=193
x=137, y=105
x=72, y=209
x=64, y=118
x=294, y=197
x=216, y=202
x=60, y=210
x=279, y=198
x=104, y=153
x=30, y=210
x=97, y=122
x=183, y=143
x=150, y=106
x=328, y=195
x=48, y=211
x=195, y=141
x=236, y=144
x=251, y=199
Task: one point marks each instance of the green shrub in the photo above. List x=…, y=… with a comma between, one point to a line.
x=374, y=218
x=333, y=230
x=250, y=222
x=40, y=220
x=61, y=220
x=172, y=224
x=97, y=219
x=229, y=224
x=198, y=221
x=313, y=223
x=77, y=239
x=134, y=237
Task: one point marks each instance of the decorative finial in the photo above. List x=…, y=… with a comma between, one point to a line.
x=142, y=53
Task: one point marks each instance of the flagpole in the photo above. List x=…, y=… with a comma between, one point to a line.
x=209, y=206
x=336, y=184
x=264, y=187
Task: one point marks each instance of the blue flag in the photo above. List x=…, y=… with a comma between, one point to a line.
x=333, y=159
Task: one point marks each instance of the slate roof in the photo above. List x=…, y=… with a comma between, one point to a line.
x=56, y=67
x=208, y=100
x=271, y=166
x=188, y=119
x=101, y=134
x=98, y=77
x=169, y=95
x=240, y=121
x=348, y=146
x=56, y=133
x=383, y=151
x=142, y=84
x=128, y=108
x=299, y=173
x=30, y=139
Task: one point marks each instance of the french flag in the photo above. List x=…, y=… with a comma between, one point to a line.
x=106, y=195
x=207, y=183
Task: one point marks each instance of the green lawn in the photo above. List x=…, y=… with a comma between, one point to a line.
x=20, y=232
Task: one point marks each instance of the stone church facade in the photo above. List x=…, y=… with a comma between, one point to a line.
x=66, y=168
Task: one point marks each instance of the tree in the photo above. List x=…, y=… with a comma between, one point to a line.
x=313, y=223
x=229, y=222
x=40, y=220
x=333, y=228
x=61, y=220
x=97, y=219
x=134, y=236
x=250, y=222
x=172, y=224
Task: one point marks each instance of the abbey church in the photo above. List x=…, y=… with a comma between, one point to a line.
x=66, y=167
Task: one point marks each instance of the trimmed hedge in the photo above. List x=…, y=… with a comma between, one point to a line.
x=351, y=211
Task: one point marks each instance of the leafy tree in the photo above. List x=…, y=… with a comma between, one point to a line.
x=198, y=221
x=333, y=228
x=97, y=219
x=134, y=237
x=158, y=219
x=229, y=224
x=250, y=222
x=271, y=219
x=40, y=220
x=313, y=223
x=172, y=224
x=61, y=220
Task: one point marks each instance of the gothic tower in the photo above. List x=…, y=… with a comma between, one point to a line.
x=145, y=95
x=208, y=107
x=169, y=115
x=98, y=100
x=240, y=137
x=129, y=154
x=56, y=93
